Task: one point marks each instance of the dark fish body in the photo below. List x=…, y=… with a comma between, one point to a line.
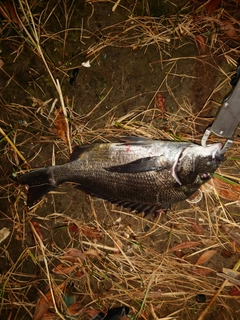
x=138, y=173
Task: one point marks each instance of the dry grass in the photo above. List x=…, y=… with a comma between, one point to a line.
x=127, y=259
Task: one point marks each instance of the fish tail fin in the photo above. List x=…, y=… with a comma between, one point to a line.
x=40, y=182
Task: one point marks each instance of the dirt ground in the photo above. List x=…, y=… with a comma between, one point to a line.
x=112, y=66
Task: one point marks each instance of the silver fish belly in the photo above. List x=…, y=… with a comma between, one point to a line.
x=138, y=173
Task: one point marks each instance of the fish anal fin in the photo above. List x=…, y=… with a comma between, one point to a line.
x=132, y=205
x=140, y=207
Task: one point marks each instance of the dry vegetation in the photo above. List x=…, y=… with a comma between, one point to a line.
x=87, y=257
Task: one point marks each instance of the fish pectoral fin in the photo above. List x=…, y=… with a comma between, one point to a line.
x=140, y=165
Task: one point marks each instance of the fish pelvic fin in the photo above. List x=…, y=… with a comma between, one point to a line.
x=40, y=182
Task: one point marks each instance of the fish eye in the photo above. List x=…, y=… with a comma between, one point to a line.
x=205, y=175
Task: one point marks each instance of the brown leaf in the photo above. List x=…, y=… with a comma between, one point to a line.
x=123, y=317
x=234, y=292
x=42, y=307
x=232, y=234
x=184, y=245
x=74, y=309
x=225, y=253
x=201, y=43
x=63, y=269
x=91, y=232
x=73, y=228
x=179, y=254
x=226, y=190
x=8, y=10
x=205, y=256
x=50, y=316
x=61, y=124
x=79, y=274
x=230, y=195
x=73, y=255
x=87, y=231
x=93, y=253
x=46, y=301
x=212, y=6
x=73, y=252
x=160, y=101
x=202, y=271
x=196, y=227
x=93, y=312
x=228, y=29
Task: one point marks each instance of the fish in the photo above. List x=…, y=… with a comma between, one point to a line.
x=138, y=173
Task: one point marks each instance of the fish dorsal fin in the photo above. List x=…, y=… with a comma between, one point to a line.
x=139, y=165
x=133, y=140
x=78, y=151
